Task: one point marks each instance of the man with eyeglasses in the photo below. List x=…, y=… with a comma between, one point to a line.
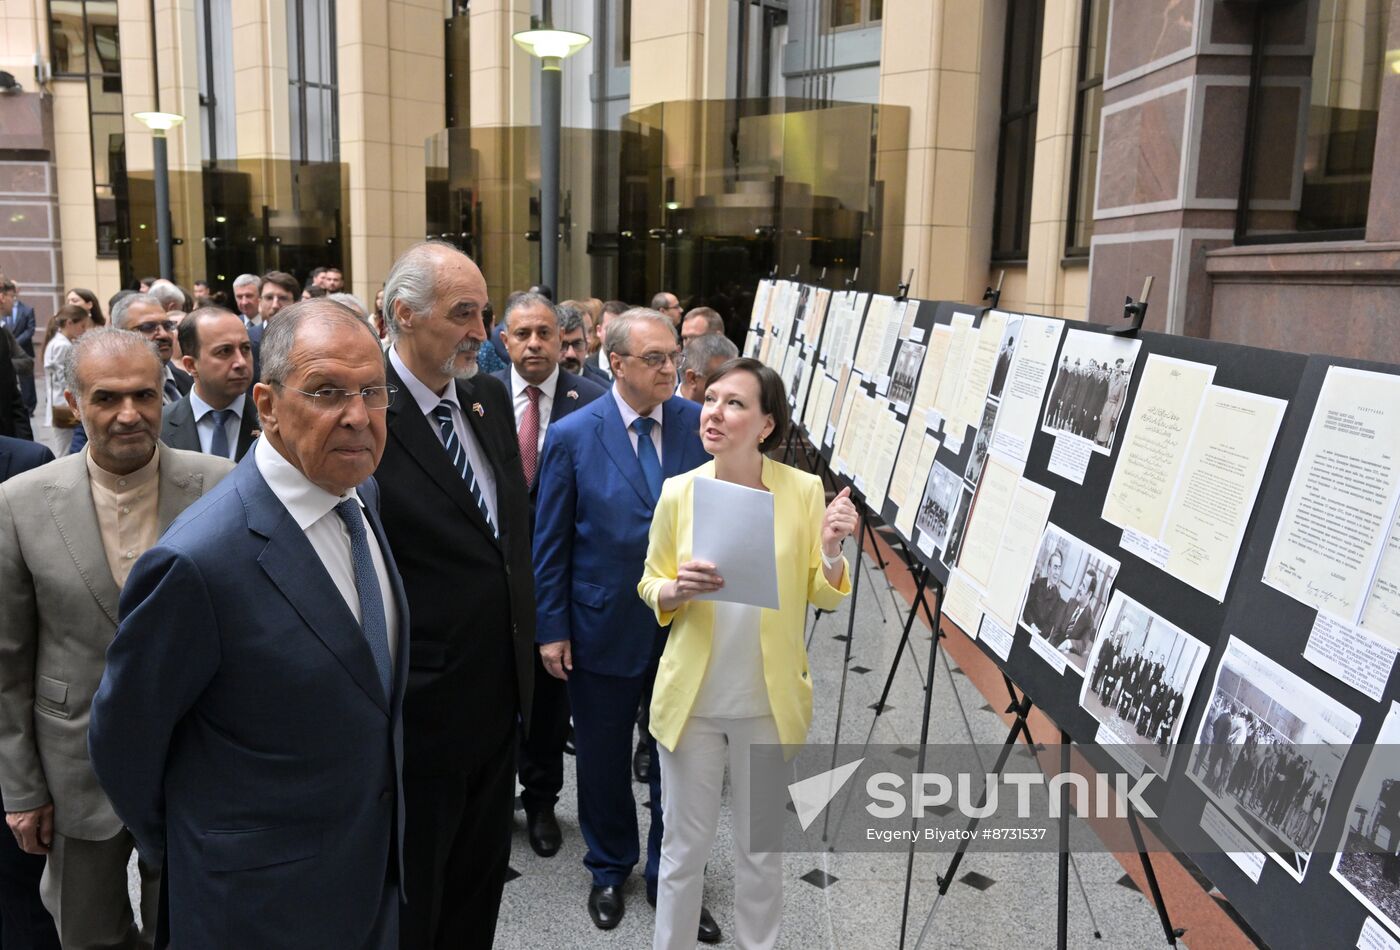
x=457, y=512
x=593, y=630
x=248, y=726
x=144, y=314
x=573, y=346
x=666, y=303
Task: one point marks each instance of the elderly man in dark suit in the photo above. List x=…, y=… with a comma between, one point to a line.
x=542, y=392
x=458, y=518
x=248, y=726
x=594, y=631
x=217, y=415
x=70, y=533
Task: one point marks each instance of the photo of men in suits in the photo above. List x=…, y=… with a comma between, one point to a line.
x=1064, y=604
x=264, y=770
x=1090, y=389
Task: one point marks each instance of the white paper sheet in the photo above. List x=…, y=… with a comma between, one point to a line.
x=1069, y=458
x=734, y=531
x=1356, y=657
x=1024, y=392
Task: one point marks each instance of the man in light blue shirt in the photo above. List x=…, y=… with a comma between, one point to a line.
x=216, y=417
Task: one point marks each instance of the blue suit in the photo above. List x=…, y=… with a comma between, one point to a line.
x=22, y=324
x=242, y=733
x=592, y=519
x=20, y=455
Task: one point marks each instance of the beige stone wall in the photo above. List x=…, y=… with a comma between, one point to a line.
x=679, y=50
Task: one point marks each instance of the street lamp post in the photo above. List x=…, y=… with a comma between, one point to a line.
x=551, y=47
x=159, y=123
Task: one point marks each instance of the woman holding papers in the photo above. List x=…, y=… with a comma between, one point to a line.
x=734, y=675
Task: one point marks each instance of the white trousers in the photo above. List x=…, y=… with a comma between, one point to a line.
x=691, y=781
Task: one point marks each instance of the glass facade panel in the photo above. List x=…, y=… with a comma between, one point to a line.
x=1088, y=117
x=311, y=73
x=1020, y=92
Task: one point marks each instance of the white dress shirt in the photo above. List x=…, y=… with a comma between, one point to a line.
x=630, y=415
x=204, y=422
x=427, y=401
x=313, y=509
x=522, y=399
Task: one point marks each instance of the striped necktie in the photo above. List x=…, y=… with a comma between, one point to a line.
x=458, y=456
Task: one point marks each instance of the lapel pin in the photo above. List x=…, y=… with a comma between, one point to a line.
x=480, y=412
x=572, y=394
x=253, y=434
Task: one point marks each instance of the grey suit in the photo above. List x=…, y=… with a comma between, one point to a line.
x=58, y=613
x=180, y=430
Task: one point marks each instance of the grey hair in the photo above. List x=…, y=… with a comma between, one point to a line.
x=104, y=344
x=168, y=294
x=620, y=327
x=413, y=279
x=348, y=300
x=570, y=318
x=281, y=334
x=528, y=298
x=120, y=307
x=701, y=351
x=246, y=280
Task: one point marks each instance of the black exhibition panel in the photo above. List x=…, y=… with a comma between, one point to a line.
x=1319, y=911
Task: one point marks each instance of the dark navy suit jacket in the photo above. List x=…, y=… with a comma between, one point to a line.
x=592, y=520
x=241, y=730
x=584, y=390
x=22, y=325
x=20, y=455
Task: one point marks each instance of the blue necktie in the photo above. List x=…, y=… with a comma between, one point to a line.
x=372, y=618
x=171, y=391
x=458, y=455
x=218, y=445
x=646, y=454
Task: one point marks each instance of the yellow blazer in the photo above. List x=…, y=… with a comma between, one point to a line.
x=798, y=504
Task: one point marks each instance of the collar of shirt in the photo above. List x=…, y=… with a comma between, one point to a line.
x=630, y=415
x=548, y=387
x=304, y=500
x=123, y=484
x=202, y=408
x=426, y=399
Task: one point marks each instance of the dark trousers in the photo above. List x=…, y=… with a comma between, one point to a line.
x=456, y=851
x=24, y=923
x=605, y=713
x=541, y=763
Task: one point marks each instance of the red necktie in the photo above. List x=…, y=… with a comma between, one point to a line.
x=530, y=435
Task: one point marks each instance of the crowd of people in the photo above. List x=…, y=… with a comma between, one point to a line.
x=310, y=589
x=1244, y=757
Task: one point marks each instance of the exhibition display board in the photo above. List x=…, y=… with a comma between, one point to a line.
x=1161, y=540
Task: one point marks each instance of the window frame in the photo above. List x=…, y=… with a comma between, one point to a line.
x=298, y=84
x=863, y=22
x=1082, y=87
x=1028, y=111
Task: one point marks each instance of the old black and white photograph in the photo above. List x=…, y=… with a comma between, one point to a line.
x=1368, y=863
x=1004, y=356
x=940, y=498
x=1142, y=674
x=957, y=529
x=1090, y=388
x=981, y=443
x=906, y=373
x=1065, y=603
x=1268, y=752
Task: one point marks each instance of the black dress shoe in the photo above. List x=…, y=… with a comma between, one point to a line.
x=605, y=906
x=709, y=930
x=545, y=836
x=641, y=763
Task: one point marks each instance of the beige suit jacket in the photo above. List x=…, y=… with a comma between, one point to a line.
x=58, y=613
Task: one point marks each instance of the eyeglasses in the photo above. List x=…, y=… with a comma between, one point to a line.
x=149, y=329
x=573, y=345
x=377, y=398
x=656, y=360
